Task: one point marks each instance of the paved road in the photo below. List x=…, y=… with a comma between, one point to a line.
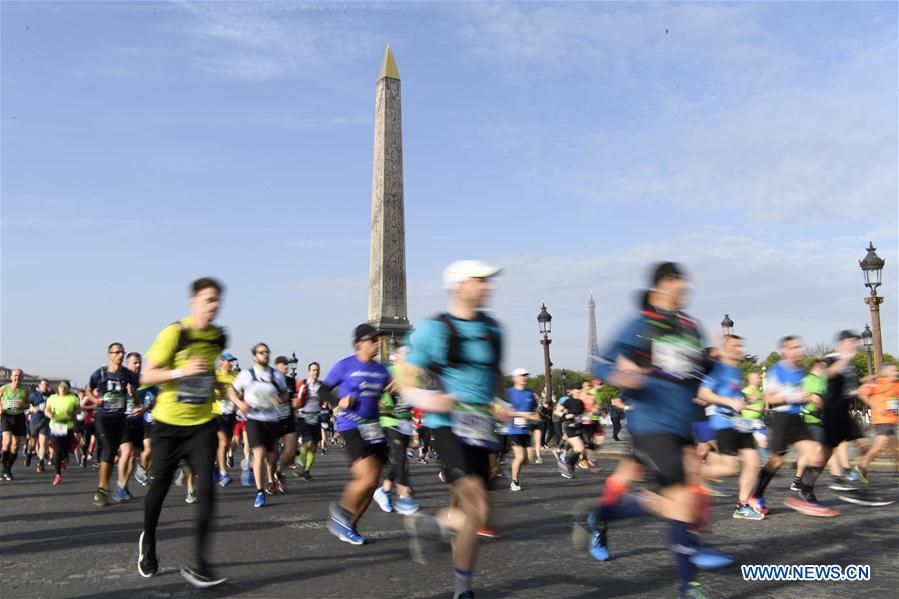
x=55, y=543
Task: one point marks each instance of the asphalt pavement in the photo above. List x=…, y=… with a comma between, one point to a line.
x=55, y=543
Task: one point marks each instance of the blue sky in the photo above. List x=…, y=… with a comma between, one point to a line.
x=145, y=144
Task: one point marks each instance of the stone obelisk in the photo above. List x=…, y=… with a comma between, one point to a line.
x=387, y=266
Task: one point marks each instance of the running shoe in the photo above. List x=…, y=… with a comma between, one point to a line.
x=119, y=495
x=140, y=475
x=382, y=498
x=28, y=459
x=709, y=559
x=260, y=500
x=441, y=476
x=200, y=577
x=127, y=492
x=246, y=478
x=861, y=496
x=57, y=480
x=270, y=489
x=694, y=590
x=796, y=485
x=216, y=475
x=598, y=546
x=7, y=475
x=405, y=506
x=280, y=483
x=40, y=467
x=147, y=565
x=515, y=486
x=843, y=483
x=101, y=498
x=225, y=480
x=583, y=465
x=758, y=504
x=488, y=533
x=339, y=525
x=745, y=512
x=538, y=459
x=179, y=478
x=861, y=473
x=809, y=506
x=230, y=460
x=307, y=476
x=427, y=538
x=191, y=497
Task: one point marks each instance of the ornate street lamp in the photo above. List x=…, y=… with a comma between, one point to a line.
x=872, y=268
x=727, y=325
x=292, y=362
x=868, y=344
x=544, y=320
x=564, y=383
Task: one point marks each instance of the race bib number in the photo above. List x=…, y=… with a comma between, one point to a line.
x=114, y=402
x=260, y=400
x=195, y=389
x=405, y=427
x=474, y=427
x=12, y=404
x=59, y=429
x=745, y=425
x=371, y=432
x=226, y=406
x=520, y=422
x=284, y=410
x=309, y=417
x=674, y=357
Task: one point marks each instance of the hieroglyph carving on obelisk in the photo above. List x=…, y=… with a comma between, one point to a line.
x=387, y=267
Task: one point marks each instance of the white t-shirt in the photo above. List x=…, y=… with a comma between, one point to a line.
x=261, y=393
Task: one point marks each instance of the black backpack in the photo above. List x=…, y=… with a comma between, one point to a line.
x=185, y=340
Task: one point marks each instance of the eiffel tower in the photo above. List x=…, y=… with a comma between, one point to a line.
x=592, y=343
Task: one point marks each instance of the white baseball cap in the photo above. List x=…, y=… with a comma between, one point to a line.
x=461, y=270
x=521, y=372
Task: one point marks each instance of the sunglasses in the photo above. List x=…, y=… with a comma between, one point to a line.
x=263, y=351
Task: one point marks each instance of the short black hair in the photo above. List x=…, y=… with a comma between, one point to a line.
x=311, y=364
x=131, y=354
x=787, y=339
x=113, y=344
x=732, y=336
x=258, y=345
x=281, y=360
x=205, y=283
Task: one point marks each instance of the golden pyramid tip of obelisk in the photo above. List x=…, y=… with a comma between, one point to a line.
x=388, y=66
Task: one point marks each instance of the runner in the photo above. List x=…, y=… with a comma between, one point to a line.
x=658, y=359
x=106, y=392
x=133, y=437
x=258, y=392
x=181, y=360
x=146, y=396
x=359, y=381
x=287, y=427
x=783, y=391
x=755, y=411
x=15, y=402
x=839, y=425
x=524, y=408
x=60, y=410
x=226, y=418
x=883, y=398
x=310, y=422
x=38, y=423
x=814, y=385
x=723, y=389
x=462, y=349
x=396, y=421
x=571, y=414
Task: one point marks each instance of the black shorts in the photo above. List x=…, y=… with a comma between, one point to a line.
x=14, y=424
x=520, y=440
x=110, y=429
x=309, y=432
x=816, y=432
x=788, y=429
x=885, y=430
x=840, y=427
x=39, y=426
x=134, y=432
x=460, y=459
x=286, y=426
x=358, y=449
x=662, y=454
x=226, y=424
x=571, y=429
x=731, y=441
x=262, y=434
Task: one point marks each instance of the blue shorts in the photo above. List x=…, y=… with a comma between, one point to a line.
x=703, y=431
